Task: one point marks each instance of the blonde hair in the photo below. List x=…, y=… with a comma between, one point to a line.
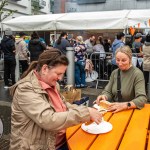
x=80, y=39
x=126, y=50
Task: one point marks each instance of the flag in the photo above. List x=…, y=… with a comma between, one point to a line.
x=132, y=30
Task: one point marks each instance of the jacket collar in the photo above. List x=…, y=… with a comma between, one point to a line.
x=31, y=78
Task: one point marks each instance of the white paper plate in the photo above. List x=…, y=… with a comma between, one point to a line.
x=94, y=128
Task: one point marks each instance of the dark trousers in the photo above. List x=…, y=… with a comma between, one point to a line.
x=63, y=147
x=146, y=76
x=24, y=65
x=9, y=71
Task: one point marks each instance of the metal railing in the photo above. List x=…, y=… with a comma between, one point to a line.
x=103, y=64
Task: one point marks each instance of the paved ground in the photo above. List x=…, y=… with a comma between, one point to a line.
x=5, y=111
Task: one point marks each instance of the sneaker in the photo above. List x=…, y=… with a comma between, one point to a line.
x=83, y=86
x=77, y=86
x=6, y=87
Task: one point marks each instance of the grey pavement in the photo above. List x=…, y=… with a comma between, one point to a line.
x=5, y=109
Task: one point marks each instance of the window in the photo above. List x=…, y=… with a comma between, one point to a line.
x=90, y=1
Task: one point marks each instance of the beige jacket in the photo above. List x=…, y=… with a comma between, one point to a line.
x=146, y=57
x=34, y=122
x=21, y=49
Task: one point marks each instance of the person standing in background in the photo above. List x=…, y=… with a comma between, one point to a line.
x=100, y=38
x=107, y=45
x=80, y=50
x=137, y=45
x=146, y=60
x=89, y=43
x=137, y=48
x=52, y=40
x=62, y=42
x=36, y=47
x=118, y=42
x=8, y=48
x=21, y=52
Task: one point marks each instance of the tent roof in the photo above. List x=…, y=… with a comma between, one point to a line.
x=33, y=23
x=69, y=21
x=102, y=20
x=141, y=16
x=93, y=20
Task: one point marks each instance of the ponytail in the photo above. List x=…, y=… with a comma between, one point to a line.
x=32, y=66
x=51, y=57
x=59, y=40
x=61, y=35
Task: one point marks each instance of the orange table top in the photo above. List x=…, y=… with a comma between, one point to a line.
x=130, y=131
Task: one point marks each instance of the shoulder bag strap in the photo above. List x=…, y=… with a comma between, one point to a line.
x=119, y=87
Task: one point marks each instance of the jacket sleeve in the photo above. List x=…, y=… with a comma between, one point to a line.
x=24, y=48
x=139, y=86
x=43, y=45
x=36, y=107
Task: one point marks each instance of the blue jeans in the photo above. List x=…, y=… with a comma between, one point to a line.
x=80, y=72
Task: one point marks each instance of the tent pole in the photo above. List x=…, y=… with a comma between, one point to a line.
x=71, y=66
x=55, y=35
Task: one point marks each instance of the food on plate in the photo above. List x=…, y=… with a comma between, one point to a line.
x=87, y=123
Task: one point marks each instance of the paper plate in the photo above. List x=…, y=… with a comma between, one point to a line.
x=94, y=128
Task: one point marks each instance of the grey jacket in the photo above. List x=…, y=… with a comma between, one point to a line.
x=34, y=122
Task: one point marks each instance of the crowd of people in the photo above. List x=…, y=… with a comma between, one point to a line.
x=18, y=54
x=40, y=114
x=26, y=52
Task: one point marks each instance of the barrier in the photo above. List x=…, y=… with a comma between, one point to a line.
x=103, y=64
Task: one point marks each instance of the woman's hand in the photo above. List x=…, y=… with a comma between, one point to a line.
x=95, y=115
x=99, y=98
x=116, y=107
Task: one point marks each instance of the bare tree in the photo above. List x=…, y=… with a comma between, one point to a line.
x=4, y=13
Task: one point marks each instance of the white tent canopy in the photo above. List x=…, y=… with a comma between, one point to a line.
x=141, y=17
x=32, y=23
x=69, y=21
x=102, y=20
x=93, y=20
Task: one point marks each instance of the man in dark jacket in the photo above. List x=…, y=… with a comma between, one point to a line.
x=35, y=46
x=8, y=48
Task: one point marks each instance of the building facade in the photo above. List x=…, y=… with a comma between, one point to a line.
x=98, y=5
x=27, y=7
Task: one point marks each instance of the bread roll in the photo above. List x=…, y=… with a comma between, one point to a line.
x=104, y=104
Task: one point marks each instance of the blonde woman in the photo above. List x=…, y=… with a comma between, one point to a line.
x=80, y=51
x=131, y=93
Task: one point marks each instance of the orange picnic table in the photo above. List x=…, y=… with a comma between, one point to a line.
x=130, y=132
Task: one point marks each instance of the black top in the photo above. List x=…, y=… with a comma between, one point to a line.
x=36, y=47
x=8, y=47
